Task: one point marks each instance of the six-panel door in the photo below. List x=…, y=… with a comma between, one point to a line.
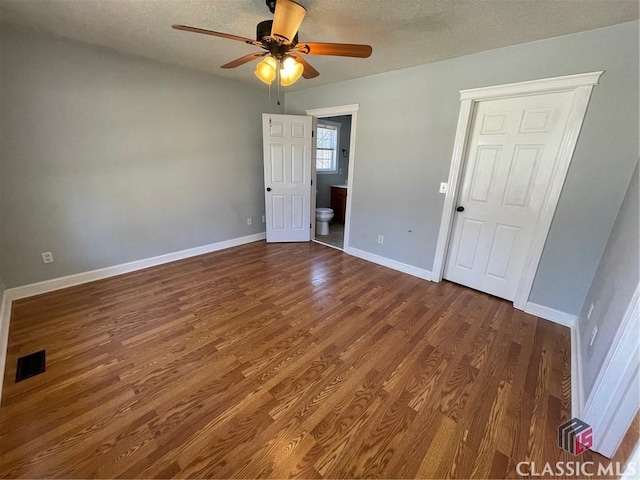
x=511, y=155
x=287, y=141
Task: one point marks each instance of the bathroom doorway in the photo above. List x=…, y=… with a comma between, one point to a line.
x=332, y=174
x=335, y=138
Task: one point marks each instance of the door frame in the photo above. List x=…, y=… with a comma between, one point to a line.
x=582, y=85
x=339, y=111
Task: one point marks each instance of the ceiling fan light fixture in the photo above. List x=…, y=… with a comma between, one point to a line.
x=290, y=71
x=266, y=70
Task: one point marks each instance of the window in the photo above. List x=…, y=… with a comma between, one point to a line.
x=327, y=147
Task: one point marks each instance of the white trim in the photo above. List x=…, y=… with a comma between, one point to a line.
x=551, y=314
x=455, y=177
x=393, y=264
x=543, y=85
x=5, y=318
x=615, y=397
x=634, y=463
x=85, y=277
x=577, y=382
x=16, y=293
x=581, y=85
x=337, y=111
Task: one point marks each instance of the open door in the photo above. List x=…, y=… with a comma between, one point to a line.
x=288, y=173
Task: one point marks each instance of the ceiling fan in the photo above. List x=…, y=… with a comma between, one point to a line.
x=279, y=39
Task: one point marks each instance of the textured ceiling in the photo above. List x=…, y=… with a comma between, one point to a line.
x=403, y=33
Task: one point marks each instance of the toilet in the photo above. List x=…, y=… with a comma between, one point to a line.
x=323, y=216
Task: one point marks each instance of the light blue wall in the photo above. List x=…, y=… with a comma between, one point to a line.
x=406, y=128
x=613, y=286
x=109, y=158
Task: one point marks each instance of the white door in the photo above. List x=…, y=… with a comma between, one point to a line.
x=288, y=170
x=511, y=156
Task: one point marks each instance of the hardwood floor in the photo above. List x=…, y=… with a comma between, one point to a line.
x=281, y=360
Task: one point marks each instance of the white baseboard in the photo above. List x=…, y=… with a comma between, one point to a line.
x=387, y=262
x=577, y=389
x=5, y=316
x=16, y=293
x=563, y=318
x=85, y=277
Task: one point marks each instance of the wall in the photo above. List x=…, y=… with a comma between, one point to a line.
x=325, y=180
x=406, y=129
x=613, y=286
x=109, y=158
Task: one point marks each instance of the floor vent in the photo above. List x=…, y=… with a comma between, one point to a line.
x=30, y=366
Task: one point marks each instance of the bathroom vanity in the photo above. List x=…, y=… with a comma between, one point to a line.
x=339, y=202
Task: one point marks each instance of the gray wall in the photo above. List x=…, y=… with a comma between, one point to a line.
x=613, y=286
x=108, y=158
x=325, y=180
x=406, y=128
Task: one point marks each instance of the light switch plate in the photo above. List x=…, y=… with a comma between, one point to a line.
x=443, y=187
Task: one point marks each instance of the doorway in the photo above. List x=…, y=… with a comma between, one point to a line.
x=512, y=151
x=333, y=182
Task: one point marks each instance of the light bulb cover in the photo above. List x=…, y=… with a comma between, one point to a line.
x=266, y=70
x=290, y=71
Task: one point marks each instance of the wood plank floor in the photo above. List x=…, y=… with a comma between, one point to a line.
x=281, y=360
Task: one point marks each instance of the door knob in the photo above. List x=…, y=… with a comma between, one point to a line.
x=460, y=209
x=268, y=189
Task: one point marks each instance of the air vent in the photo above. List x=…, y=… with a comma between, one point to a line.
x=30, y=366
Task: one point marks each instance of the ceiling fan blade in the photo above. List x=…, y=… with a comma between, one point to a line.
x=309, y=71
x=335, y=49
x=242, y=60
x=186, y=28
x=286, y=20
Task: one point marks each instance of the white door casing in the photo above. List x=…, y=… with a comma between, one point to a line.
x=335, y=112
x=511, y=156
x=580, y=86
x=288, y=171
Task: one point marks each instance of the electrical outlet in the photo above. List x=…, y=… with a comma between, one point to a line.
x=593, y=335
x=249, y=221
x=590, y=311
x=47, y=257
x=380, y=239
x=443, y=188
x=262, y=218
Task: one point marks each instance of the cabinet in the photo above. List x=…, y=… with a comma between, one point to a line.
x=338, y=203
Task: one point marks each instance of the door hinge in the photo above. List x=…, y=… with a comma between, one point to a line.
x=312, y=181
x=312, y=133
x=310, y=225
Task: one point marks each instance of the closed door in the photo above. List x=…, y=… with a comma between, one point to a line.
x=511, y=156
x=288, y=170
